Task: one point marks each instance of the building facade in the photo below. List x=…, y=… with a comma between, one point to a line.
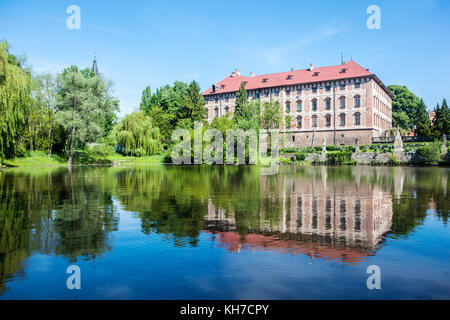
x=337, y=103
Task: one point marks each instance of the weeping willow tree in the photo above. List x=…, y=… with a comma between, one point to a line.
x=137, y=136
x=15, y=97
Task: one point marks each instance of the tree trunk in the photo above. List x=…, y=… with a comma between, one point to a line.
x=50, y=141
x=69, y=162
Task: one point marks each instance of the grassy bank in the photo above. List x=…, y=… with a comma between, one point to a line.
x=39, y=158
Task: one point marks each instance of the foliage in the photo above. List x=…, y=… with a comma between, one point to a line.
x=15, y=98
x=339, y=158
x=422, y=120
x=405, y=105
x=430, y=154
x=170, y=107
x=271, y=117
x=85, y=107
x=137, y=136
x=441, y=123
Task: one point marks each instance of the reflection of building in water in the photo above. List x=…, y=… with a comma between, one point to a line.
x=339, y=220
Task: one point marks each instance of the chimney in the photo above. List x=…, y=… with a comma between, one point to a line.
x=238, y=72
x=252, y=74
x=311, y=66
x=292, y=69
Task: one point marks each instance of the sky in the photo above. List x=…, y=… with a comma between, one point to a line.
x=154, y=43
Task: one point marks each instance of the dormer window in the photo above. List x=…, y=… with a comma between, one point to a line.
x=264, y=80
x=315, y=74
x=289, y=77
x=343, y=70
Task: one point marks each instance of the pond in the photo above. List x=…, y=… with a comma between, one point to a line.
x=225, y=232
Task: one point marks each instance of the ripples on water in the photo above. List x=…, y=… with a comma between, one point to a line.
x=224, y=232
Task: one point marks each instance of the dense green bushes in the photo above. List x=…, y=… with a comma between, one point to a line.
x=340, y=158
x=431, y=153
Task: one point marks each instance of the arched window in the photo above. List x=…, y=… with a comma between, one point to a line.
x=328, y=120
x=327, y=104
x=299, y=105
x=357, y=101
x=216, y=112
x=314, y=121
x=357, y=116
x=342, y=119
x=314, y=104
x=288, y=106
x=299, y=122
x=342, y=102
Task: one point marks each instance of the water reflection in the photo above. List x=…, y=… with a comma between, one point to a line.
x=321, y=216
x=337, y=214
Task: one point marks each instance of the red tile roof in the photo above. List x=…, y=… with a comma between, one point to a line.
x=321, y=74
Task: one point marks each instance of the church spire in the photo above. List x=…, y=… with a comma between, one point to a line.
x=94, y=68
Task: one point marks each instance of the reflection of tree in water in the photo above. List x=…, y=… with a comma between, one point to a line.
x=173, y=200
x=52, y=211
x=418, y=191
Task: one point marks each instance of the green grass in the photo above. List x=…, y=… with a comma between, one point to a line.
x=40, y=158
x=37, y=158
x=118, y=158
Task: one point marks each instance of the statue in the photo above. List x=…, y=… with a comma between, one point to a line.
x=398, y=143
x=357, y=145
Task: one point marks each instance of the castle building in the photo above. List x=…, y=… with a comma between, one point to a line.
x=339, y=103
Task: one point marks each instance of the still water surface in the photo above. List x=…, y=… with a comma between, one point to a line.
x=171, y=232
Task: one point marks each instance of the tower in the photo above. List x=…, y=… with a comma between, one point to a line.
x=94, y=68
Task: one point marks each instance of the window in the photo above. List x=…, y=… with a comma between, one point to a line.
x=328, y=120
x=266, y=93
x=314, y=90
x=293, y=138
x=342, y=86
x=299, y=122
x=216, y=112
x=314, y=121
x=226, y=99
x=342, y=102
x=314, y=104
x=288, y=106
x=342, y=119
x=327, y=88
x=299, y=90
x=357, y=99
x=227, y=109
x=357, y=85
x=288, y=92
x=357, y=119
x=299, y=106
x=327, y=104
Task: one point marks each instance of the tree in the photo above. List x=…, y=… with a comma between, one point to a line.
x=441, y=123
x=195, y=103
x=15, y=99
x=271, y=116
x=241, y=105
x=177, y=106
x=423, y=120
x=41, y=120
x=405, y=105
x=137, y=136
x=84, y=107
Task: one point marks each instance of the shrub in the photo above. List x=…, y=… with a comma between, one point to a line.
x=285, y=160
x=430, y=154
x=394, y=159
x=301, y=156
x=340, y=158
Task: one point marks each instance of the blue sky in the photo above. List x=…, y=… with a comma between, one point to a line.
x=140, y=43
